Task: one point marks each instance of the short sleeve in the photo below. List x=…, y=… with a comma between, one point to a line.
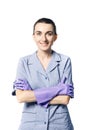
x=67, y=73
x=21, y=73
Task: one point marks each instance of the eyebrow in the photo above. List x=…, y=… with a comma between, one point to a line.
x=46, y=32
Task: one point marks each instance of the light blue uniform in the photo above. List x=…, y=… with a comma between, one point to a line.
x=36, y=117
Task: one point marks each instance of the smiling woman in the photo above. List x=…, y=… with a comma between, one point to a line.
x=44, y=36
x=44, y=83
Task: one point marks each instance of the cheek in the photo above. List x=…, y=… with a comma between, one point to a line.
x=51, y=40
x=36, y=39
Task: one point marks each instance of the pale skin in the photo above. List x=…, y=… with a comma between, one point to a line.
x=44, y=37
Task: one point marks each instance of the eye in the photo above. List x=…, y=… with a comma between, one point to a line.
x=49, y=33
x=38, y=33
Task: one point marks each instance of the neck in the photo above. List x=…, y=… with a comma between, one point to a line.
x=44, y=55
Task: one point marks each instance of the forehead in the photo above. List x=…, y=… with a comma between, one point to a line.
x=43, y=27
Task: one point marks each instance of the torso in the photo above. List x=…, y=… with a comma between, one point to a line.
x=35, y=117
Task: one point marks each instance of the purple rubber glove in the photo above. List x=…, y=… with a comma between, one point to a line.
x=20, y=84
x=44, y=95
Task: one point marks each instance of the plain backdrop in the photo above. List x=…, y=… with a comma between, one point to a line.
x=16, y=26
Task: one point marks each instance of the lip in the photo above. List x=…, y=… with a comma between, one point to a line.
x=44, y=43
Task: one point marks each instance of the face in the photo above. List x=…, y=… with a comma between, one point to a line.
x=44, y=36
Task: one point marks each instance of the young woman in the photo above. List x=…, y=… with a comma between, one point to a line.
x=44, y=83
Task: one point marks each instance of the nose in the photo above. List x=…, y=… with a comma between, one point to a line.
x=44, y=37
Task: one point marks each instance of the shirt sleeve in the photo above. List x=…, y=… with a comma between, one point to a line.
x=20, y=74
x=67, y=73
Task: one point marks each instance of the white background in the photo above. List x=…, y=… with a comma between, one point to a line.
x=16, y=26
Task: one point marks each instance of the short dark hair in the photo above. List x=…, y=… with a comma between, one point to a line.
x=48, y=21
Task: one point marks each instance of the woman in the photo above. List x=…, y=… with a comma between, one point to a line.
x=44, y=83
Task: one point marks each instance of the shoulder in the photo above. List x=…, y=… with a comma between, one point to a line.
x=62, y=57
x=26, y=59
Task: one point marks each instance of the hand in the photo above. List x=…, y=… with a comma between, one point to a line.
x=21, y=84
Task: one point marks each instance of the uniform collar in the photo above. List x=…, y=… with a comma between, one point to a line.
x=34, y=61
x=55, y=61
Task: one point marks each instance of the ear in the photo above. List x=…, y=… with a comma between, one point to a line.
x=55, y=37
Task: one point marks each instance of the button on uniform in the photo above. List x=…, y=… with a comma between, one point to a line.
x=46, y=77
x=45, y=122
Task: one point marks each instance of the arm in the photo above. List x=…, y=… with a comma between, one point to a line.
x=25, y=96
x=28, y=96
x=61, y=99
x=43, y=95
